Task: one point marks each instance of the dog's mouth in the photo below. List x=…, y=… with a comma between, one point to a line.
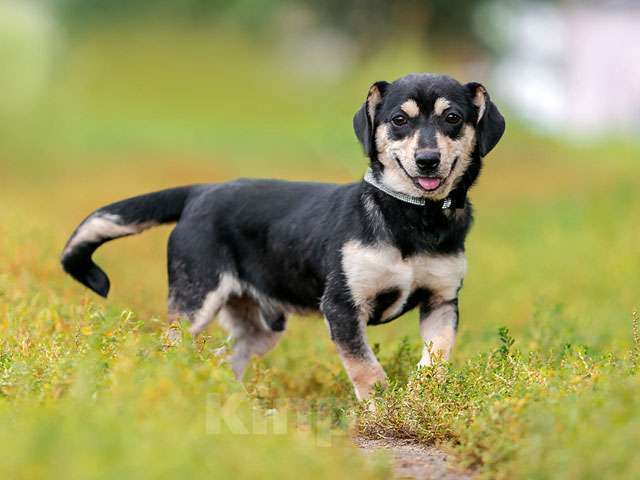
x=428, y=183
x=432, y=183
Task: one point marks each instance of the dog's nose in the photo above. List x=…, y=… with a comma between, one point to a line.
x=427, y=161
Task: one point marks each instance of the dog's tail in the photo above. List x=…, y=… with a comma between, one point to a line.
x=120, y=219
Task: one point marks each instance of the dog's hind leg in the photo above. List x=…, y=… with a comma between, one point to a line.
x=251, y=332
x=200, y=306
x=201, y=278
x=214, y=301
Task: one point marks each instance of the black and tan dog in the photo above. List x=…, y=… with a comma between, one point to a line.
x=252, y=251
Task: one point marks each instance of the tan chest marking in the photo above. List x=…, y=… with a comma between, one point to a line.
x=373, y=269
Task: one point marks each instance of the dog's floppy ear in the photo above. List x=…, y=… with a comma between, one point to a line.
x=490, y=124
x=363, y=120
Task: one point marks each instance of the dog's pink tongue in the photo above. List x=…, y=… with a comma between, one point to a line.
x=429, y=183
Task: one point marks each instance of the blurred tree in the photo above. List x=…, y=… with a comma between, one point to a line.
x=368, y=22
x=80, y=11
x=374, y=20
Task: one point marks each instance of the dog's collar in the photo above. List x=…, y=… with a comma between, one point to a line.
x=446, y=203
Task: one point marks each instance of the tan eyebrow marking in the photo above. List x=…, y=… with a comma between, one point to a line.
x=410, y=107
x=441, y=105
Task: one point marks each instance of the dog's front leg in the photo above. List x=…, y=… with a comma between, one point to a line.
x=438, y=327
x=347, y=328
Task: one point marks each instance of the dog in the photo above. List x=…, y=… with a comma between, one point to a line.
x=364, y=253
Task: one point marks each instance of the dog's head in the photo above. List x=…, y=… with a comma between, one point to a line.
x=425, y=133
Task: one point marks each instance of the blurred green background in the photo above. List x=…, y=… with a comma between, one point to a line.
x=245, y=84
x=103, y=99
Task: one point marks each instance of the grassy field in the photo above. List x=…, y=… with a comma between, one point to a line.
x=95, y=389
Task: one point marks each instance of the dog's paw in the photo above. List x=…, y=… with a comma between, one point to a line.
x=172, y=336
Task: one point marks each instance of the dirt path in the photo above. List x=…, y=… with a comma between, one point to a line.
x=414, y=461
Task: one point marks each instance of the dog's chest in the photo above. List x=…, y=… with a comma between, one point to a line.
x=372, y=270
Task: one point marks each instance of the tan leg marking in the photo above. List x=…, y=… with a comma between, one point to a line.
x=438, y=330
x=364, y=373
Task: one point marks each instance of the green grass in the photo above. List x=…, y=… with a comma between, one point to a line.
x=94, y=389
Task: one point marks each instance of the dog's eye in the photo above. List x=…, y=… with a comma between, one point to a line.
x=399, y=120
x=452, y=118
